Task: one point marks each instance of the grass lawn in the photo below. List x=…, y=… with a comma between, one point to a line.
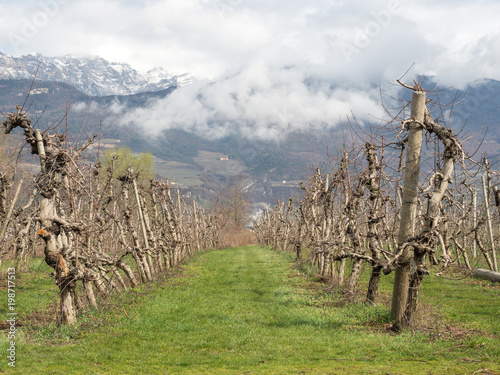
x=249, y=311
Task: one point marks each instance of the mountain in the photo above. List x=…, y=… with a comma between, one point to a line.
x=48, y=101
x=271, y=170
x=93, y=76
x=196, y=165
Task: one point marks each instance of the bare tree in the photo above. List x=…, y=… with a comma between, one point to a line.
x=88, y=220
x=354, y=211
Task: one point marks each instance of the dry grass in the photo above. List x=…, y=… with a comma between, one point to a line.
x=234, y=236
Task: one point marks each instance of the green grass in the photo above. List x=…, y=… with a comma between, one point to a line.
x=35, y=287
x=470, y=303
x=248, y=310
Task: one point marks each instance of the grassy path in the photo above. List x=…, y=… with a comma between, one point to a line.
x=239, y=311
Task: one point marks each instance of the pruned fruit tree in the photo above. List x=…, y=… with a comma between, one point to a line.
x=376, y=205
x=101, y=231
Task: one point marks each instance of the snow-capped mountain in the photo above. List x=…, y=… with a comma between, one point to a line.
x=92, y=75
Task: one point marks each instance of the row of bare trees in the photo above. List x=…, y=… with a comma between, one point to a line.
x=101, y=233
x=376, y=206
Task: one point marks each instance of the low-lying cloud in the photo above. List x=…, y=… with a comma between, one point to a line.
x=261, y=101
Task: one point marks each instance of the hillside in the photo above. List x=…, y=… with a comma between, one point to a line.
x=186, y=159
x=272, y=169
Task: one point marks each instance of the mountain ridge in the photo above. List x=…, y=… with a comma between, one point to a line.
x=92, y=75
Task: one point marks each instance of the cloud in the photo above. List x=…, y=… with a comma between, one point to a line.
x=260, y=101
x=210, y=37
x=112, y=109
x=268, y=67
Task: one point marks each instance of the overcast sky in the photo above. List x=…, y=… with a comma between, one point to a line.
x=267, y=65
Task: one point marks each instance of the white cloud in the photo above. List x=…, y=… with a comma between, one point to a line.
x=258, y=102
x=115, y=108
x=208, y=37
x=275, y=65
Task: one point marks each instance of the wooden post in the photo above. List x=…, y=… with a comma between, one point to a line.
x=11, y=209
x=487, y=275
x=408, y=204
x=141, y=216
x=41, y=150
x=490, y=229
x=143, y=225
x=463, y=227
x=474, y=218
x=137, y=253
x=178, y=251
x=196, y=227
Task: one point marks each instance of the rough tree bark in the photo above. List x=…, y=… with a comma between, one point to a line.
x=374, y=217
x=48, y=181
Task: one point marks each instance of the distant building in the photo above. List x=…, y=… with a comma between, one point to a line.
x=224, y=158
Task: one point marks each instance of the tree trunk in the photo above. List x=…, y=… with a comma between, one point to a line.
x=414, y=291
x=341, y=272
x=128, y=271
x=298, y=251
x=372, y=293
x=373, y=184
x=68, y=315
x=89, y=291
x=352, y=283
